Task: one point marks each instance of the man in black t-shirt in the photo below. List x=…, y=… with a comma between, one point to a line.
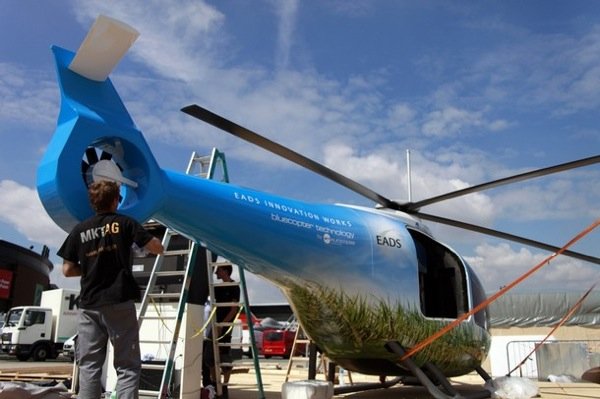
x=99, y=250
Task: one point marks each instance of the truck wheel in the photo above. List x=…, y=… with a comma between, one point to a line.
x=23, y=358
x=41, y=353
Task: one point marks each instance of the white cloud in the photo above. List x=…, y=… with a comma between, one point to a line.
x=372, y=167
x=543, y=70
x=387, y=175
x=563, y=198
x=21, y=207
x=451, y=120
x=179, y=42
x=187, y=52
x=402, y=116
x=26, y=98
x=286, y=10
x=499, y=265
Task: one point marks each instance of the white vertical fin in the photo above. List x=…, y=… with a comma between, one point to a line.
x=105, y=44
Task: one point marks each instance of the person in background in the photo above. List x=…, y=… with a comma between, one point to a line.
x=227, y=293
x=99, y=249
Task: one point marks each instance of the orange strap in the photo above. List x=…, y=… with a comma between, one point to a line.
x=427, y=341
x=559, y=324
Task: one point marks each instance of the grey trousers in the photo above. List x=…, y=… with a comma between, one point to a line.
x=96, y=326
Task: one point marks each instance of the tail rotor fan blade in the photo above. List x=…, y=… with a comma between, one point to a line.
x=106, y=155
x=90, y=167
x=91, y=155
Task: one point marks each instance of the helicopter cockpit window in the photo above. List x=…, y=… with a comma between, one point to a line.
x=442, y=279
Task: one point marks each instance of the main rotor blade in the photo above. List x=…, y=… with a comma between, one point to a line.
x=505, y=236
x=239, y=131
x=500, y=182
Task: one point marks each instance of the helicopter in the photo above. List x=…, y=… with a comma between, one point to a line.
x=357, y=278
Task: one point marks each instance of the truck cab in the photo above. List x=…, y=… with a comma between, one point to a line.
x=28, y=333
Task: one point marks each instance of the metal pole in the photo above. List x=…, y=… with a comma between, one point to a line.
x=408, y=177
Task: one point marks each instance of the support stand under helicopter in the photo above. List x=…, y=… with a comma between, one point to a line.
x=434, y=380
x=429, y=376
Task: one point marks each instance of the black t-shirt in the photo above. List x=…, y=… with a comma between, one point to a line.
x=102, y=247
x=227, y=293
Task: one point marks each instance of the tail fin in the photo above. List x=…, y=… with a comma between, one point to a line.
x=95, y=137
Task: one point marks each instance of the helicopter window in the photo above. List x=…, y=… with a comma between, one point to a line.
x=442, y=279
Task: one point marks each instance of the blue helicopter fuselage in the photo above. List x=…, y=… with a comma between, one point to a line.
x=356, y=277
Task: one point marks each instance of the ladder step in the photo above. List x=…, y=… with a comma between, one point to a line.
x=300, y=358
x=175, y=295
x=157, y=317
x=149, y=366
x=173, y=252
x=146, y=392
x=170, y=273
x=227, y=284
x=226, y=304
x=152, y=341
x=203, y=159
x=225, y=323
x=233, y=345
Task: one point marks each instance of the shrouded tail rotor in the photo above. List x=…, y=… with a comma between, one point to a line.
x=95, y=138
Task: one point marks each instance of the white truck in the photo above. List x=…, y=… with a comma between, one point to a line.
x=40, y=331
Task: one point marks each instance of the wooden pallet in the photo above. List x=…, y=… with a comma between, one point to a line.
x=37, y=374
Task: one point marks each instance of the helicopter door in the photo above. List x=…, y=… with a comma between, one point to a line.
x=442, y=278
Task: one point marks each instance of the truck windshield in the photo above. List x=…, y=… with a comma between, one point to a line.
x=13, y=317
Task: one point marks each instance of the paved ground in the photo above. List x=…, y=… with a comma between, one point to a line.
x=244, y=385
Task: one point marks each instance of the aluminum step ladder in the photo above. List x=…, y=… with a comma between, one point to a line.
x=219, y=329
x=209, y=169
x=217, y=326
x=310, y=353
x=299, y=339
x=155, y=295
x=202, y=167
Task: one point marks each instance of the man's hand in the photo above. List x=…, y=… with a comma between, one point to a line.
x=71, y=269
x=154, y=246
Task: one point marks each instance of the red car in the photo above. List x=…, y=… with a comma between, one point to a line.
x=280, y=343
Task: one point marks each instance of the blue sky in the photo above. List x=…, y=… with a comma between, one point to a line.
x=476, y=91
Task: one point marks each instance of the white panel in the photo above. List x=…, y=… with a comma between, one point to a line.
x=105, y=44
